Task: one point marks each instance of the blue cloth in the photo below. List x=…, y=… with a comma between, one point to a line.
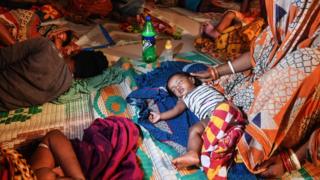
x=192, y=4
x=159, y=76
x=240, y=171
x=151, y=87
x=179, y=125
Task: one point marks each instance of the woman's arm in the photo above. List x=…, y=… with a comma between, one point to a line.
x=5, y=36
x=178, y=109
x=241, y=64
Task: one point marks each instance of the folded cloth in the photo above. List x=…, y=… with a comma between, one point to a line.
x=108, y=149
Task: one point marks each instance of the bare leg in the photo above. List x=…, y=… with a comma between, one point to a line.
x=59, y=152
x=226, y=21
x=215, y=32
x=192, y=157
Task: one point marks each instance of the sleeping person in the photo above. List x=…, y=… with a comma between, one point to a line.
x=202, y=100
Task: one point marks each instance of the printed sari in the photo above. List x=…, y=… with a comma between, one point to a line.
x=281, y=96
x=25, y=24
x=21, y=23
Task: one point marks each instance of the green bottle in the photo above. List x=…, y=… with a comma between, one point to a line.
x=148, y=42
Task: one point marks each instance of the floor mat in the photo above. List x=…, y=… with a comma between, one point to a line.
x=23, y=125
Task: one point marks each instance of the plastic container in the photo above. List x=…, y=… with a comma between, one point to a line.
x=168, y=52
x=149, y=42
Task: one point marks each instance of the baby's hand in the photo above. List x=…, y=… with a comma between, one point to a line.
x=154, y=117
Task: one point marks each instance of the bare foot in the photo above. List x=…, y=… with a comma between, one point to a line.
x=209, y=30
x=190, y=158
x=207, y=27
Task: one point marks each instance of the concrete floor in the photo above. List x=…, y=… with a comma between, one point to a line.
x=174, y=16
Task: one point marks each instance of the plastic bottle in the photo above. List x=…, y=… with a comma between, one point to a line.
x=167, y=53
x=149, y=42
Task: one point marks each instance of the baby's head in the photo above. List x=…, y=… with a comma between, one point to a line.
x=181, y=83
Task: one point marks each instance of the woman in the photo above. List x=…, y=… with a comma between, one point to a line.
x=280, y=92
x=233, y=35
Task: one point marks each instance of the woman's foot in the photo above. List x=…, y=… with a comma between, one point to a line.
x=190, y=158
x=209, y=30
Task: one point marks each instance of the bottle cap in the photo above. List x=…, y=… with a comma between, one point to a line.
x=168, y=44
x=148, y=18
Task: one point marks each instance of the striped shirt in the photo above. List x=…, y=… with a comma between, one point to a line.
x=202, y=100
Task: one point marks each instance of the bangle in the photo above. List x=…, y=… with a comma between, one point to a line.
x=231, y=67
x=294, y=159
x=214, y=73
x=286, y=161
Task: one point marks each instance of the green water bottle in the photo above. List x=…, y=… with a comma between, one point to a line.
x=149, y=42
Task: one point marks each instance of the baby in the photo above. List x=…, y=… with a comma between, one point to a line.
x=201, y=99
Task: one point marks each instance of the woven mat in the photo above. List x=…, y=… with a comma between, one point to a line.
x=26, y=124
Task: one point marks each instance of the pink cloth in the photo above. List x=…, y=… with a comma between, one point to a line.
x=108, y=150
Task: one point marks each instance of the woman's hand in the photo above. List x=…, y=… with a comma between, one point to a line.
x=154, y=117
x=205, y=76
x=274, y=167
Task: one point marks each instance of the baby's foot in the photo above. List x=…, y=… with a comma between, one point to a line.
x=190, y=158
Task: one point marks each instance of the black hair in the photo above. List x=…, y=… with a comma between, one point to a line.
x=89, y=63
x=69, y=34
x=197, y=82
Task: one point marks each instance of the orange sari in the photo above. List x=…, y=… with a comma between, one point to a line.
x=282, y=94
x=286, y=86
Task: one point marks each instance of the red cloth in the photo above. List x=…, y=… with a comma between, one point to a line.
x=108, y=150
x=95, y=7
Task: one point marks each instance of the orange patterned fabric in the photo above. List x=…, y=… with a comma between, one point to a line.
x=14, y=166
x=281, y=94
x=22, y=24
x=285, y=83
x=233, y=41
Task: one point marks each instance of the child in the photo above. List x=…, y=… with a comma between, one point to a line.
x=202, y=100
